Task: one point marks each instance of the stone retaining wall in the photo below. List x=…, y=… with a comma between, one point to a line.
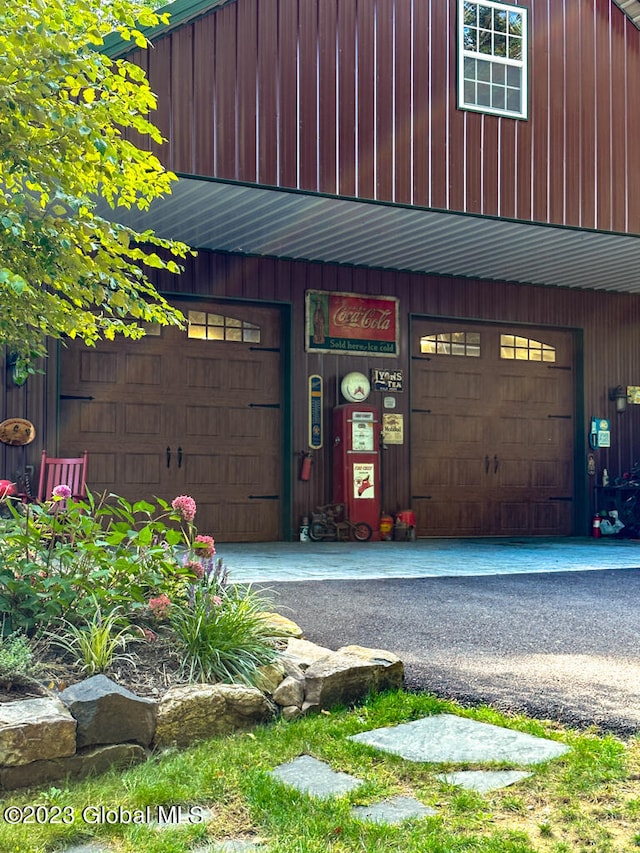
x=96, y=724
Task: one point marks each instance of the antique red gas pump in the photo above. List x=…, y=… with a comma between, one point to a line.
x=356, y=462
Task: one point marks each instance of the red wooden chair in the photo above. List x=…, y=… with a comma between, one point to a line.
x=57, y=471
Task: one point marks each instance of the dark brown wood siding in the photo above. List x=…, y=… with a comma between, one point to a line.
x=605, y=330
x=35, y=400
x=359, y=99
x=605, y=326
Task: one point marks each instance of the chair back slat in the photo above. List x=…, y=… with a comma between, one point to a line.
x=62, y=471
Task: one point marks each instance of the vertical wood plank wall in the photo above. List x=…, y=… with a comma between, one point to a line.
x=359, y=99
x=608, y=324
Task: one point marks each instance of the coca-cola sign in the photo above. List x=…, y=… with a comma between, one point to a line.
x=348, y=323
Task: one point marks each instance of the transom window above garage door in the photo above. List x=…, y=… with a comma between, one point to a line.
x=219, y=327
x=525, y=349
x=452, y=343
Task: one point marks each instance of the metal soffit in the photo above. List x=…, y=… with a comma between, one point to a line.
x=630, y=8
x=255, y=220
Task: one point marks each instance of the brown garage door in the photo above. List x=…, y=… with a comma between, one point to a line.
x=492, y=429
x=194, y=412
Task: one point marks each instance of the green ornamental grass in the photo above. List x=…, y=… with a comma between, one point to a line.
x=98, y=643
x=221, y=635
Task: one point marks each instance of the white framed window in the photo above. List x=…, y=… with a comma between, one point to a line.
x=492, y=58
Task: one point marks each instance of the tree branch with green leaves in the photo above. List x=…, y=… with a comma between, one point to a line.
x=65, y=111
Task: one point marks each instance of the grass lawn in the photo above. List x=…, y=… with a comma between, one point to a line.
x=587, y=800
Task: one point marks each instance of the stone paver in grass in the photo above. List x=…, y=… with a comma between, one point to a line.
x=314, y=777
x=91, y=847
x=394, y=810
x=483, y=780
x=232, y=845
x=445, y=737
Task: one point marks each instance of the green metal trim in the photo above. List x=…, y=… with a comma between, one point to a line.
x=289, y=529
x=181, y=11
x=581, y=488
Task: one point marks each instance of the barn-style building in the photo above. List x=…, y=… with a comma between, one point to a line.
x=441, y=195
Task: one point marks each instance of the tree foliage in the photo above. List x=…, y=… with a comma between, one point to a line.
x=65, y=109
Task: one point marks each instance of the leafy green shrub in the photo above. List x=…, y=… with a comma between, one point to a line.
x=16, y=658
x=92, y=569
x=55, y=559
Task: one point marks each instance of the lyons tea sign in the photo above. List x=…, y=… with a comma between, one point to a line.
x=348, y=323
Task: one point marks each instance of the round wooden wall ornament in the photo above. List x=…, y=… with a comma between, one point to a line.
x=17, y=432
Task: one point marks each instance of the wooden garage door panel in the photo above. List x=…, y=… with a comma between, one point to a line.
x=241, y=522
x=456, y=518
x=96, y=366
x=140, y=369
x=143, y=418
x=103, y=471
x=97, y=418
x=491, y=436
x=141, y=469
x=172, y=415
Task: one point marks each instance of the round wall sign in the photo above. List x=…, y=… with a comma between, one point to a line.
x=355, y=387
x=17, y=431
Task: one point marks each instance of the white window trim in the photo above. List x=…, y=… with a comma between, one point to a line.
x=523, y=64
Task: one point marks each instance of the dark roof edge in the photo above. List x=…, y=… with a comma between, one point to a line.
x=183, y=11
x=180, y=12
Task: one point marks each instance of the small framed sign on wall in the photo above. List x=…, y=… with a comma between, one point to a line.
x=315, y=412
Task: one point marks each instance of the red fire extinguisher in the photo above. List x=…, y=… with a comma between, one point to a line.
x=305, y=468
x=595, y=526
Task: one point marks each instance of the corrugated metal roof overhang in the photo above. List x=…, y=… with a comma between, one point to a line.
x=257, y=220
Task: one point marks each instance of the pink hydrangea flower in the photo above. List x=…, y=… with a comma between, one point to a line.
x=195, y=567
x=61, y=492
x=159, y=606
x=216, y=600
x=186, y=506
x=204, y=546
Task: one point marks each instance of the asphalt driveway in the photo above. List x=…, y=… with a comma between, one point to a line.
x=560, y=646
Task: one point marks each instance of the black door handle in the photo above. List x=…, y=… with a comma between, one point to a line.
x=486, y=464
x=496, y=463
x=168, y=456
x=179, y=457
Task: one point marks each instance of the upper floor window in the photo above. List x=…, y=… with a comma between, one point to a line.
x=492, y=58
x=216, y=327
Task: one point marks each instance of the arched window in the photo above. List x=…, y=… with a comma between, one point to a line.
x=218, y=327
x=525, y=349
x=452, y=343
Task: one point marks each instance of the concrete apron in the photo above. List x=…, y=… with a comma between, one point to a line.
x=263, y=562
